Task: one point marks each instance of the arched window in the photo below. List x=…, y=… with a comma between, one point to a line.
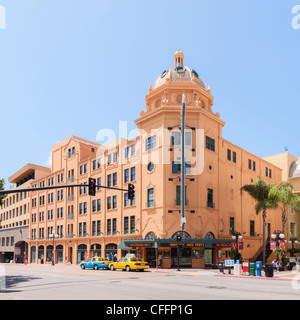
x=209, y=235
x=151, y=236
x=182, y=234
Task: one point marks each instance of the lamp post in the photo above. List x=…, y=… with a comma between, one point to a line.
x=237, y=236
x=277, y=235
x=53, y=236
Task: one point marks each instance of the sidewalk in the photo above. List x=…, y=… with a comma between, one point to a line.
x=283, y=275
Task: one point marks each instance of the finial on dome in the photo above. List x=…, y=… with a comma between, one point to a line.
x=178, y=57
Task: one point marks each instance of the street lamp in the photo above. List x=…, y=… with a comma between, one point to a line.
x=277, y=235
x=53, y=236
x=237, y=236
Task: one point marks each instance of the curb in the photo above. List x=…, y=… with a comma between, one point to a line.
x=254, y=277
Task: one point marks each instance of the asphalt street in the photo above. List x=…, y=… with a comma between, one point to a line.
x=45, y=282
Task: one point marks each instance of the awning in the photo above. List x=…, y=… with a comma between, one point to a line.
x=122, y=245
x=171, y=242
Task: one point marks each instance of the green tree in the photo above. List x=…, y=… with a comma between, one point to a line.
x=260, y=192
x=283, y=194
x=2, y=184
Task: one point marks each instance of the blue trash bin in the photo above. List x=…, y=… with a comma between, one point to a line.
x=258, y=266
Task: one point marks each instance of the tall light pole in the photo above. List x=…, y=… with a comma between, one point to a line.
x=183, y=220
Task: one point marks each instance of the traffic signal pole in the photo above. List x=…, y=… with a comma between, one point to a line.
x=55, y=187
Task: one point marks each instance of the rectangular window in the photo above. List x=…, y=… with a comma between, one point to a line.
x=126, y=200
x=126, y=152
x=109, y=180
x=99, y=183
x=254, y=166
x=249, y=164
x=99, y=205
x=80, y=229
x=80, y=208
x=234, y=156
x=98, y=227
x=210, y=143
x=270, y=173
x=94, y=206
x=115, y=182
x=176, y=138
x=114, y=226
x=93, y=228
x=132, y=224
x=108, y=227
x=115, y=157
x=108, y=203
x=267, y=171
x=94, y=165
x=132, y=174
x=126, y=175
x=114, y=202
x=228, y=154
x=151, y=143
x=133, y=150
x=252, y=228
x=210, y=198
x=126, y=225
x=231, y=226
x=150, y=198
x=178, y=196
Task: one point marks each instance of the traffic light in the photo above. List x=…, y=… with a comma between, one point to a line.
x=92, y=187
x=131, y=191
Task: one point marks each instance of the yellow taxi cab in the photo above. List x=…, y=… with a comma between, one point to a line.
x=95, y=263
x=129, y=262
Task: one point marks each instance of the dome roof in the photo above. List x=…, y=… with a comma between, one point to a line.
x=178, y=73
x=294, y=169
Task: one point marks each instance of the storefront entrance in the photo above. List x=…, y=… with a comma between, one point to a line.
x=185, y=258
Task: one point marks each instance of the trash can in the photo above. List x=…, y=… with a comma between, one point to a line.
x=269, y=270
x=246, y=267
x=252, y=269
x=237, y=267
x=221, y=267
x=258, y=266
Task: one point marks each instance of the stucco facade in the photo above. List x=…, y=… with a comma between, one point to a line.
x=216, y=170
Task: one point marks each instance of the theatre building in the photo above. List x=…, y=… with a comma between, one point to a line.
x=109, y=223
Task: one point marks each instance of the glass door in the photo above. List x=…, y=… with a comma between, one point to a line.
x=208, y=257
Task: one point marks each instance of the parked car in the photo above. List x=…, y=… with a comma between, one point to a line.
x=95, y=263
x=129, y=263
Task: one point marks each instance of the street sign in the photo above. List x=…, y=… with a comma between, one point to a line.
x=229, y=263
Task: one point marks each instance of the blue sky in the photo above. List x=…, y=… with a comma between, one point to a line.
x=75, y=67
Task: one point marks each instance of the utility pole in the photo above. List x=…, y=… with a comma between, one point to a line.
x=183, y=220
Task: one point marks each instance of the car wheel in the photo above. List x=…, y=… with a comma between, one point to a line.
x=127, y=268
x=96, y=267
x=82, y=267
x=112, y=268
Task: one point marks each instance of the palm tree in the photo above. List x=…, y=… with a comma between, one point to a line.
x=283, y=193
x=260, y=192
x=2, y=184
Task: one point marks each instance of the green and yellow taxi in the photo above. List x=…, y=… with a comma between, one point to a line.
x=95, y=263
x=129, y=263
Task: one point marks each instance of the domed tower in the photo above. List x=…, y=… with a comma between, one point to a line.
x=172, y=83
